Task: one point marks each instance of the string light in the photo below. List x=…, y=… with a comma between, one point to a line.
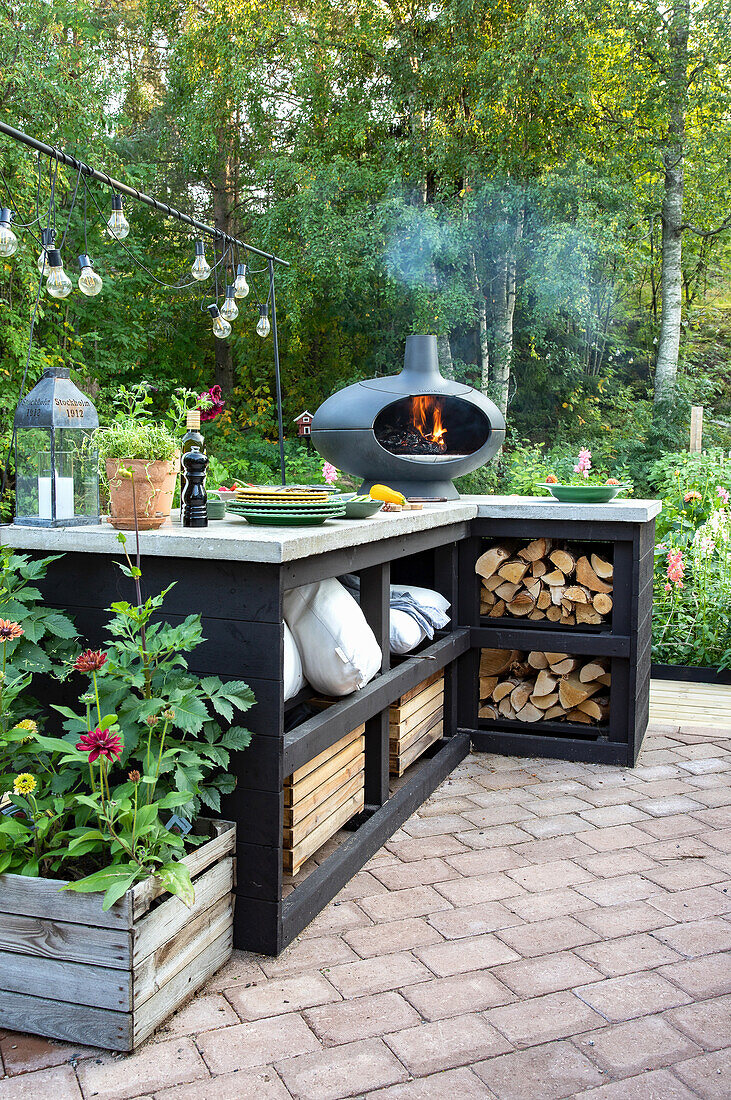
x=263, y=326
x=48, y=236
x=117, y=226
x=201, y=268
x=58, y=283
x=229, y=309
x=8, y=240
x=241, y=287
x=90, y=282
x=221, y=327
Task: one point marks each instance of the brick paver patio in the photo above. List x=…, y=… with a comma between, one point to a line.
x=537, y=930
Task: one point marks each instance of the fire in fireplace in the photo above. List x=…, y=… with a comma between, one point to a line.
x=415, y=430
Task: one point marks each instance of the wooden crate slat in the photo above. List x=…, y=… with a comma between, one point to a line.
x=197, y=861
x=294, y=858
x=36, y=897
x=415, y=750
x=295, y=793
x=400, y=744
x=72, y=982
x=293, y=815
x=397, y=729
x=325, y=755
x=182, y=985
x=414, y=691
x=158, y=927
x=52, y=939
x=158, y=969
x=296, y=833
x=400, y=711
x=91, y=1026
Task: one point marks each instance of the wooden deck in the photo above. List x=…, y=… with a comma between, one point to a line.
x=690, y=704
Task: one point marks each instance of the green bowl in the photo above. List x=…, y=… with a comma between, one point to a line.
x=583, y=494
x=361, y=509
x=216, y=508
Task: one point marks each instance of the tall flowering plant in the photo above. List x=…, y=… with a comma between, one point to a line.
x=583, y=473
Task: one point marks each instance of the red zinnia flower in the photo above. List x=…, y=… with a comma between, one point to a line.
x=100, y=743
x=217, y=404
x=551, y=479
x=91, y=660
x=9, y=631
x=613, y=481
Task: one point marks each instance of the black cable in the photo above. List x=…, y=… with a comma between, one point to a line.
x=3, y=487
x=71, y=210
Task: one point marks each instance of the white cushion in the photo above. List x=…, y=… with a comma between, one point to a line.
x=294, y=677
x=405, y=632
x=425, y=597
x=339, y=650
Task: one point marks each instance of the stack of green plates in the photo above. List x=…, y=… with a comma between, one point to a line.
x=287, y=513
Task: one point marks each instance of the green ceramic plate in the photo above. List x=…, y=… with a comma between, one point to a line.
x=583, y=494
x=301, y=509
x=285, y=520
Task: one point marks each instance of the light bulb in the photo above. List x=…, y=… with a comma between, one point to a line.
x=117, y=226
x=263, y=327
x=221, y=327
x=201, y=269
x=47, y=238
x=241, y=287
x=8, y=240
x=58, y=283
x=90, y=283
x=229, y=309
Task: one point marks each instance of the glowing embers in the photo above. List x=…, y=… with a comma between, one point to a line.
x=431, y=428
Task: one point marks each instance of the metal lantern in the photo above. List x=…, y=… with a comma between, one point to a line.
x=56, y=462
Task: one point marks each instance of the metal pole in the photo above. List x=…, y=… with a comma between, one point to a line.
x=277, y=374
x=123, y=189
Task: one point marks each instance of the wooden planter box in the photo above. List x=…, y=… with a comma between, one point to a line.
x=415, y=722
x=70, y=971
x=321, y=796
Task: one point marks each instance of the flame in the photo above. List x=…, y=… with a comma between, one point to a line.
x=426, y=409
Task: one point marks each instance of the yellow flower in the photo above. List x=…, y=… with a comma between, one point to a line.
x=24, y=784
x=29, y=725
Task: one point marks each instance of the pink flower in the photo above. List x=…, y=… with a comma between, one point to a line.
x=668, y=587
x=676, y=567
x=213, y=398
x=329, y=472
x=584, y=464
x=692, y=496
x=723, y=494
x=100, y=742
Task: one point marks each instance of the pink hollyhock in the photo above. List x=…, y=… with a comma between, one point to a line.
x=723, y=494
x=100, y=742
x=676, y=567
x=213, y=398
x=583, y=466
x=330, y=473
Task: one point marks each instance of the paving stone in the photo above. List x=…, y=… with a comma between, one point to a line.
x=400, y=876
x=262, y=1084
x=656, y=1085
x=461, y=956
x=445, y=1044
x=308, y=955
x=543, y=937
x=443, y=805
x=562, y=804
x=278, y=997
x=154, y=1067
x=377, y=975
x=614, y=838
x=362, y=1018
x=433, y=826
x=620, y=814
x=708, y=976
x=416, y=901
x=695, y=938
x=662, y=788
x=243, y=966
x=58, y=1082
x=392, y=936
x=624, y=1050
x=26, y=1053
x=203, y=1013
x=560, y=825
x=631, y=995
x=546, y=974
x=337, y=1072
x=541, y=1019
x=609, y=796
x=627, y=954
x=473, y=920
x=549, y=1072
x=693, y=905
x=500, y=814
x=550, y=876
x=496, y=837
x=711, y=764
x=681, y=847
x=618, y=890
x=685, y=875
x=708, y=1075
x=707, y=1023
x=339, y=916
x=554, y=903
x=478, y=888
x=517, y=777
x=461, y=993
x=485, y=861
x=255, y=1043
x=621, y=920
x=426, y=847
x=461, y=1084
x=554, y=847
x=663, y=828
x=362, y=885
x=608, y=865
x=664, y=807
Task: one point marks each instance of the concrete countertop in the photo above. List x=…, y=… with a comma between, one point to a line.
x=233, y=539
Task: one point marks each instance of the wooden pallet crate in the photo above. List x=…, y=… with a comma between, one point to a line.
x=321, y=796
x=71, y=971
x=415, y=722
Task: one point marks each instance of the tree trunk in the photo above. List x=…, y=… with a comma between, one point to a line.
x=481, y=327
x=666, y=367
x=503, y=312
x=222, y=203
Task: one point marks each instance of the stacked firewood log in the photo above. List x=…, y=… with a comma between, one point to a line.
x=538, y=687
x=543, y=581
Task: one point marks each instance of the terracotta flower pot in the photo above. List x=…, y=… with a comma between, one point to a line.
x=154, y=486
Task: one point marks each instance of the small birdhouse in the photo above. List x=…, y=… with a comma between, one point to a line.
x=304, y=423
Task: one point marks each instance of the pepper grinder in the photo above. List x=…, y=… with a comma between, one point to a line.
x=195, y=499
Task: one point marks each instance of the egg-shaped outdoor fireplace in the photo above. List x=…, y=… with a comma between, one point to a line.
x=414, y=431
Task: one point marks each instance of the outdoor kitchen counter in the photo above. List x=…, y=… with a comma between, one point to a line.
x=546, y=508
